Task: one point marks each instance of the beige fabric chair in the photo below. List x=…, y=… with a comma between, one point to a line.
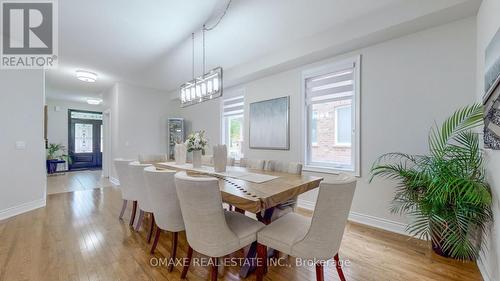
x=252, y=163
x=207, y=160
x=166, y=208
x=210, y=230
x=136, y=176
x=315, y=238
x=284, y=167
x=152, y=158
x=128, y=193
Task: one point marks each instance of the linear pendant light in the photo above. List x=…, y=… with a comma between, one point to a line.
x=207, y=86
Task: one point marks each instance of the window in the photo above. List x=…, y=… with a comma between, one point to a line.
x=332, y=115
x=232, y=132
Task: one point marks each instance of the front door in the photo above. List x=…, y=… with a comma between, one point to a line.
x=85, y=142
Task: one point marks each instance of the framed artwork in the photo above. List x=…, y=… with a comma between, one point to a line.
x=491, y=98
x=269, y=124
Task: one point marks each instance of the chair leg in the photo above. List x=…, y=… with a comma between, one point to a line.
x=134, y=210
x=139, y=220
x=319, y=272
x=124, y=206
x=155, y=242
x=339, y=267
x=151, y=228
x=214, y=270
x=173, y=251
x=261, y=261
x=187, y=262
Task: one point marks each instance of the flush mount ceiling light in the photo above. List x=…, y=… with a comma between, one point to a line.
x=86, y=76
x=94, y=101
x=207, y=86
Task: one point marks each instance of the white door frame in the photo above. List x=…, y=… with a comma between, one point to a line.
x=106, y=161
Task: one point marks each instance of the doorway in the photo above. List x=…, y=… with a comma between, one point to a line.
x=85, y=139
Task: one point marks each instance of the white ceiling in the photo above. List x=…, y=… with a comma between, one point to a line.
x=148, y=42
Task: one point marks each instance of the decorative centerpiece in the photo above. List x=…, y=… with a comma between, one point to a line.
x=220, y=158
x=196, y=143
x=180, y=153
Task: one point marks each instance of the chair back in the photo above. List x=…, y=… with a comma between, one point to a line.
x=252, y=163
x=164, y=201
x=230, y=161
x=207, y=160
x=136, y=176
x=152, y=158
x=121, y=167
x=322, y=241
x=283, y=167
x=201, y=204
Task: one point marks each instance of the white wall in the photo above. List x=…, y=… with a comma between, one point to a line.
x=138, y=120
x=57, y=124
x=488, y=23
x=22, y=171
x=407, y=84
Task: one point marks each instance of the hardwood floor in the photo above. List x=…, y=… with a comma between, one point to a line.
x=78, y=236
x=73, y=181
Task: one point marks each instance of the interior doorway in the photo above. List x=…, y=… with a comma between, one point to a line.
x=85, y=139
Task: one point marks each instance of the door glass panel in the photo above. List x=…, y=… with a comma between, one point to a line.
x=83, y=138
x=86, y=115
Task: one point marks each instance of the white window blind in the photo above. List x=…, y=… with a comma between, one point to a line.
x=330, y=87
x=234, y=106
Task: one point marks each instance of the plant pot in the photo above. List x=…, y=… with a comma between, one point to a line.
x=196, y=158
x=52, y=166
x=438, y=250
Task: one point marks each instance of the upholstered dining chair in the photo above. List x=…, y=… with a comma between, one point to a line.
x=128, y=193
x=317, y=238
x=284, y=167
x=210, y=230
x=252, y=163
x=207, y=160
x=136, y=175
x=166, y=208
x=152, y=158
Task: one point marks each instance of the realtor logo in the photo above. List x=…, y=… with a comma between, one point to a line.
x=29, y=34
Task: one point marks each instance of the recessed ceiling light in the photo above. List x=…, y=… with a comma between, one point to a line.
x=94, y=101
x=86, y=76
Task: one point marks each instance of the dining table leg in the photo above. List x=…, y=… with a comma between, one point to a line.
x=249, y=264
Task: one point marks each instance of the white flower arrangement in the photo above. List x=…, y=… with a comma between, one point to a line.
x=196, y=141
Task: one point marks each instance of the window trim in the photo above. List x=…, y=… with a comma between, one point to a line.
x=326, y=68
x=228, y=95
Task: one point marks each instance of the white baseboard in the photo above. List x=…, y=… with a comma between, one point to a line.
x=23, y=208
x=484, y=271
x=114, y=181
x=377, y=222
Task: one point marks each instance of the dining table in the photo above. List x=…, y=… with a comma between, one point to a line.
x=252, y=190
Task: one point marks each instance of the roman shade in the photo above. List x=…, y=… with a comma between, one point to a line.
x=331, y=86
x=234, y=105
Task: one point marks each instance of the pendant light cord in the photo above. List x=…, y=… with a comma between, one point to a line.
x=192, y=38
x=203, y=48
x=220, y=19
x=205, y=28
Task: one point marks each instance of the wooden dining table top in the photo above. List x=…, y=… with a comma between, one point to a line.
x=252, y=196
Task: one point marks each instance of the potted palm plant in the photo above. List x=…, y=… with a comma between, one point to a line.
x=56, y=154
x=445, y=192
